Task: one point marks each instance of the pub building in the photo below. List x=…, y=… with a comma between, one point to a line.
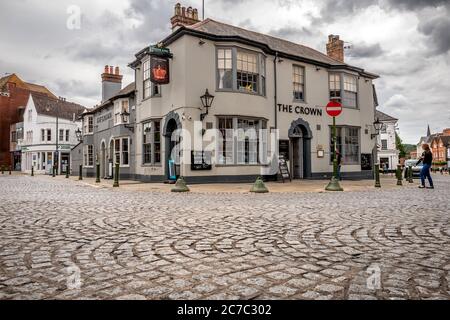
x=107, y=131
x=225, y=77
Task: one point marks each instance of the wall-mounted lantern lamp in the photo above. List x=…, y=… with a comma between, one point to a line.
x=79, y=135
x=377, y=125
x=207, y=100
x=125, y=119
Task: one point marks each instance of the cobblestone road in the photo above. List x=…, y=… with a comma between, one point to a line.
x=221, y=246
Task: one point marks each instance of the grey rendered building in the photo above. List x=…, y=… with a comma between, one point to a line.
x=107, y=135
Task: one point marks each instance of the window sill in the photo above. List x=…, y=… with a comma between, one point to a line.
x=148, y=165
x=242, y=92
x=299, y=101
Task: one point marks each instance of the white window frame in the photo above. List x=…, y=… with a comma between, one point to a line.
x=120, y=151
x=298, y=81
x=88, y=156
x=87, y=129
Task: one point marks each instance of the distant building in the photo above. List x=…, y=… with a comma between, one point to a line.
x=439, y=144
x=49, y=133
x=14, y=94
x=388, y=155
x=108, y=135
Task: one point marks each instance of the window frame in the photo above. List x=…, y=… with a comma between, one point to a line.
x=88, y=157
x=294, y=99
x=49, y=135
x=88, y=129
x=261, y=143
x=342, y=91
x=261, y=66
x=152, y=143
x=120, y=151
x=151, y=86
x=343, y=144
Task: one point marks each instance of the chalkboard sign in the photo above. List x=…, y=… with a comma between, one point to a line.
x=284, y=170
x=366, y=161
x=201, y=160
x=284, y=148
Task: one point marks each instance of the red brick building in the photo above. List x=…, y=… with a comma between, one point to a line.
x=14, y=95
x=439, y=147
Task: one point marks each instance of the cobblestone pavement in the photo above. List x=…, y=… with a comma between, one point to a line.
x=137, y=245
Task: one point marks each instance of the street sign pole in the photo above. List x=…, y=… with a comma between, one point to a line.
x=334, y=183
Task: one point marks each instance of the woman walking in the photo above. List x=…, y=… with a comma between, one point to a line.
x=427, y=160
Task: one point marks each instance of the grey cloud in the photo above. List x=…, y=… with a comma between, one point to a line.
x=362, y=50
x=438, y=30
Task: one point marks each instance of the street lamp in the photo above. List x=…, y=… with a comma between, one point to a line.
x=79, y=135
x=207, y=100
x=378, y=125
x=125, y=119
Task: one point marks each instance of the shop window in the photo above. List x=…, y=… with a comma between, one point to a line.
x=152, y=142
x=298, y=83
x=242, y=141
x=347, y=142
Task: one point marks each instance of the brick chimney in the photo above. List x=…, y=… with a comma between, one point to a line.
x=111, y=82
x=335, y=48
x=184, y=17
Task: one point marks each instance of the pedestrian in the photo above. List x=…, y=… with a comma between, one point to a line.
x=427, y=160
x=339, y=164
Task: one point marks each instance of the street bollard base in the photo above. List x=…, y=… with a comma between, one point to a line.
x=180, y=186
x=334, y=185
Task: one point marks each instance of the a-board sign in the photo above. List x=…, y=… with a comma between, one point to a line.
x=284, y=169
x=201, y=160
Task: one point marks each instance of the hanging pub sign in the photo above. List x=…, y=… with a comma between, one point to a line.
x=159, y=70
x=159, y=64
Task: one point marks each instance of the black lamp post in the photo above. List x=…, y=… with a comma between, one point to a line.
x=207, y=100
x=378, y=125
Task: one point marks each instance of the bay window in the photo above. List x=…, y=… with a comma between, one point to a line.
x=344, y=89
x=150, y=89
x=151, y=142
x=350, y=91
x=241, y=70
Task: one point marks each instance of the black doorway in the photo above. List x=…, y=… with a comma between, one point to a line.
x=300, y=149
x=172, y=142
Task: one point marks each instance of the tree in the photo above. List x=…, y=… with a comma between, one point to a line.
x=400, y=146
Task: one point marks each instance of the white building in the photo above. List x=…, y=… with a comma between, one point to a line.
x=387, y=148
x=259, y=82
x=49, y=128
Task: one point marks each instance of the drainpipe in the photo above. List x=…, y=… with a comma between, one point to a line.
x=275, y=61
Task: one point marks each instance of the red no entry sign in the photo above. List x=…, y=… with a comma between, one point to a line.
x=334, y=108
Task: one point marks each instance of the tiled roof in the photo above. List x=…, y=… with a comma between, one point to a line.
x=128, y=90
x=222, y=29
x=445, y=140
x=48, y=106
x=383, y=116
x=24, y=85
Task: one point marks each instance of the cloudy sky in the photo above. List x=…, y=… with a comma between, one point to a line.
x=406, y=42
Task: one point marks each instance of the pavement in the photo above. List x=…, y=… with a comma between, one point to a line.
x=65, y=239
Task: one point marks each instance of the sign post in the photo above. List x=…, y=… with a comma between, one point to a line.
x=334, y=109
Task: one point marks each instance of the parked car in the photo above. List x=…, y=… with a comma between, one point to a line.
x=416, y=168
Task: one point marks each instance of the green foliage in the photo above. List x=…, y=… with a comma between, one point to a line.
x=400, y=146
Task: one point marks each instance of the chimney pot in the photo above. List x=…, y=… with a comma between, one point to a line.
x=117, y=71
x=184, y=17
x=106, y=69
x=111, y=70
